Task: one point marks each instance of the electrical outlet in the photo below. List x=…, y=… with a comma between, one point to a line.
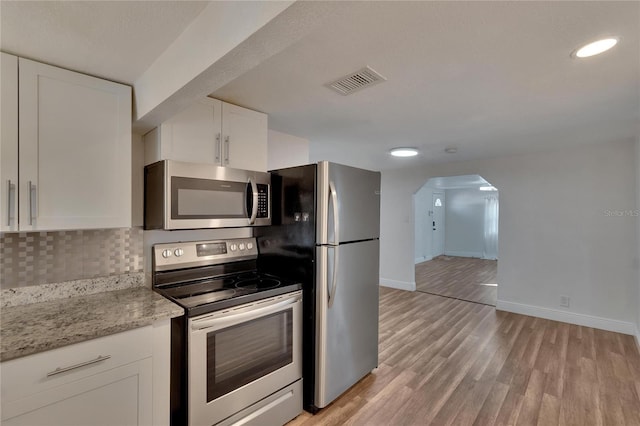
x=564, y=301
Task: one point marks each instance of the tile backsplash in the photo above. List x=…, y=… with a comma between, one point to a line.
x=33, y=258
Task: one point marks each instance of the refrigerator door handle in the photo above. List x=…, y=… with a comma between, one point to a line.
x=333, y=198
x=334, y=279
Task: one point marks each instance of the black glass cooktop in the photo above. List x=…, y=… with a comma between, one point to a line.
x=212, y=294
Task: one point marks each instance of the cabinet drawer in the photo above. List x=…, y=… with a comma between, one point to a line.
x=39, y=372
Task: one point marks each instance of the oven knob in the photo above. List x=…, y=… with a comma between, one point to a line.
x=166, y=253
x=241, y=246
x=233, y=247
x=249, y=246
x=178, y=252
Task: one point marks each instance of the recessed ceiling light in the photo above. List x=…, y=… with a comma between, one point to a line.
x=595, y=48
x=404, y=152
x=451, y=150
x=488, y=188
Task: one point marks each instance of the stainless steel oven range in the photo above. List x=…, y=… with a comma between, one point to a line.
x=236, y=353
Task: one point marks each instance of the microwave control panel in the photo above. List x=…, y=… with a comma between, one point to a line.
x=263, y=200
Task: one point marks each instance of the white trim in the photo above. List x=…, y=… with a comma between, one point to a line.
x=422, y=259
x=569, y=317
x=476, y=254
x=400, y=285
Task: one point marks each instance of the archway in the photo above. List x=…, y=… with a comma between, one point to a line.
x=456, y=238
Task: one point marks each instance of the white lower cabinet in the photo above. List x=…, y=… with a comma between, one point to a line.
x=112, y=380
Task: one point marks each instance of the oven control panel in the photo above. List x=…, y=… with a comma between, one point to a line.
x=201, y=253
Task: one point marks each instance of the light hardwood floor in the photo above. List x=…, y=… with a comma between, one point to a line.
x=463, y=278
x=448, y=362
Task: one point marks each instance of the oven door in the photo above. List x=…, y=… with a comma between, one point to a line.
x=239, y=356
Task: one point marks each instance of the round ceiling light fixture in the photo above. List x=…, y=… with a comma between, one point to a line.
x=404, y=152
x=595, y=48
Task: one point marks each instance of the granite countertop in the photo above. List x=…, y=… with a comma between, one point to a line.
x=30, y=328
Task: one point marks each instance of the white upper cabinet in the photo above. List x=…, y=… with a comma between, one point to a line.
x=244, y=142
x=211, y=131
x=75, y=150
x=9, y=143
x=192, y=135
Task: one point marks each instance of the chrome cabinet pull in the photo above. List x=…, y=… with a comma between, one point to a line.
x=32, y=203
x=226, y=146
x=218, y=149
x=60, y=370
x=10, y=187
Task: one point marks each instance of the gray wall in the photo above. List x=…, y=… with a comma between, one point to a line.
x=557, y=236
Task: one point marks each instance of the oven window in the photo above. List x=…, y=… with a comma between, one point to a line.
x=207, y=199
x=243, y=353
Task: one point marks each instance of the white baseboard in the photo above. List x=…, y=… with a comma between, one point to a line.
x=400, y=285
x=421, y=259
x=569, y=317
x=463, y=254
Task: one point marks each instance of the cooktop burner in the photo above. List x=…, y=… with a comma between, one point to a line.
x=258, y=283
x=206, y=276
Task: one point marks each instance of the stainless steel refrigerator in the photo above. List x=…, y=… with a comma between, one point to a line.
x=325, y=232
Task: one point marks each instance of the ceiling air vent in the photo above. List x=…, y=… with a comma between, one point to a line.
x=358, y=80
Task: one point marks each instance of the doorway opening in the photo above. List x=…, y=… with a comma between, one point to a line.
x=456, y=238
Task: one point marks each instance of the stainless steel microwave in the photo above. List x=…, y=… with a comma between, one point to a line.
x=179, y=195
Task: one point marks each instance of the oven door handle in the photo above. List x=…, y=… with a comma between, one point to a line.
x=224, y=320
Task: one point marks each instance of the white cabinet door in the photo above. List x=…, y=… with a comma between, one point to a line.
x=193, y=135
x=9, y=143
x=214, y=132
x=121, y=396
x=75, y=150
x=120, y=379
x=244, y=138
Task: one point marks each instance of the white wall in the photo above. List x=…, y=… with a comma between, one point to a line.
x=638, y=241
x=422, y=240
x=464, y=222
x=555, y=235
x=285, y=150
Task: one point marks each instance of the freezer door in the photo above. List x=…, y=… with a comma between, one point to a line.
x=348, y=204
x=347, y=317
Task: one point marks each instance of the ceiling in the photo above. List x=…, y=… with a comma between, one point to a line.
x=489, y=78
x=116, y=40
x=456, y=182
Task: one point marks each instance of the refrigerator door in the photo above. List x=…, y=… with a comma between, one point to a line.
x=347, y=325
x=348, y=204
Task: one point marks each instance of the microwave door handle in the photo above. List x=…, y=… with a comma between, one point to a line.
x=254, y=198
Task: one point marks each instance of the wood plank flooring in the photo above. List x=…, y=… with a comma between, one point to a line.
x=448, y=362
x=462, y=278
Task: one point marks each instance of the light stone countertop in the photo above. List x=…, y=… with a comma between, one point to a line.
x=36, y=327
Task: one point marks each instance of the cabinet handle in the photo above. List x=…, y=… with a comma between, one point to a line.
x=226, y=146
x=10, y=187
x=60, y=370
x=32, y=203
x=218, y=149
